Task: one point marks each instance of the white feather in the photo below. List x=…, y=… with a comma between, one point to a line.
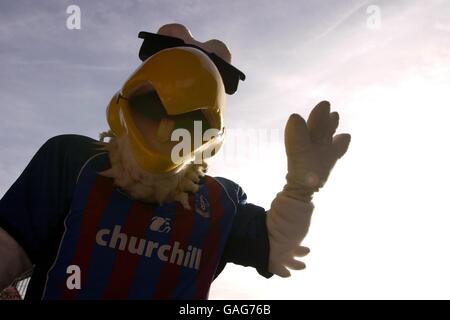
x=146, y=186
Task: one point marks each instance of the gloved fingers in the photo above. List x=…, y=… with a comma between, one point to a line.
x=328, y=132
x=296, y=135
x=341, y=143
x=333, y=124
x=318, y=122
x=294, y=264
x=300, y=251
x=279, y=270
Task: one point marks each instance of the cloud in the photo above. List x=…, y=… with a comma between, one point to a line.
x=295, y=53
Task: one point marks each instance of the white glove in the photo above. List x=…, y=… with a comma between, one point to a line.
x=312, y=151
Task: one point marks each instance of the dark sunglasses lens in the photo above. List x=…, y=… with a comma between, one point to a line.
x=154, y=43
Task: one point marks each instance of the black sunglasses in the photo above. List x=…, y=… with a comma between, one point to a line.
x=154, y=43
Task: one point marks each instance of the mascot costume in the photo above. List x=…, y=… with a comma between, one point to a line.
x=136, y=217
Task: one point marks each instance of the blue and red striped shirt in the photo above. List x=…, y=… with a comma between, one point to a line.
x=65, y=214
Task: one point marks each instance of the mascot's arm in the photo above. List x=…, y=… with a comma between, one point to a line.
x=14, y=261
x=32, y=211
x=312, y=150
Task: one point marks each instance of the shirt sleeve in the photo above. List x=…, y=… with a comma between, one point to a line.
x=248, y=241
x=33, y=210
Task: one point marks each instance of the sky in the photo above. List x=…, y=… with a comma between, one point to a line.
x=380, y=225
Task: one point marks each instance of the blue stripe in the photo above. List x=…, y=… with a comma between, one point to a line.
x=148, y=270
x=57, y=274
x=102, y=258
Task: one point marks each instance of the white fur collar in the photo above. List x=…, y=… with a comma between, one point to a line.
x=150, y=187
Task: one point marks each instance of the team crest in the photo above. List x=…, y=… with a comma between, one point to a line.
x=202, y=206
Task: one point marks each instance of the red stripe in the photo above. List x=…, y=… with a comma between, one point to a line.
x=181, y=231
x=97, y=201
x=211, y=243
x=125, y=263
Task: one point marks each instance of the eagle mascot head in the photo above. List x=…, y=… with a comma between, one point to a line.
x=168, y=116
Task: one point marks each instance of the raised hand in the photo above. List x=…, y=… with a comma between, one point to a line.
x=312, y=149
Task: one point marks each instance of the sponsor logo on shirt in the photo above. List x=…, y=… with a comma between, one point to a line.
x=160, y=224
x=189, y=257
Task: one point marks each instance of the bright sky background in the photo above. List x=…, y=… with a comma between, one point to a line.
x=381, y=224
